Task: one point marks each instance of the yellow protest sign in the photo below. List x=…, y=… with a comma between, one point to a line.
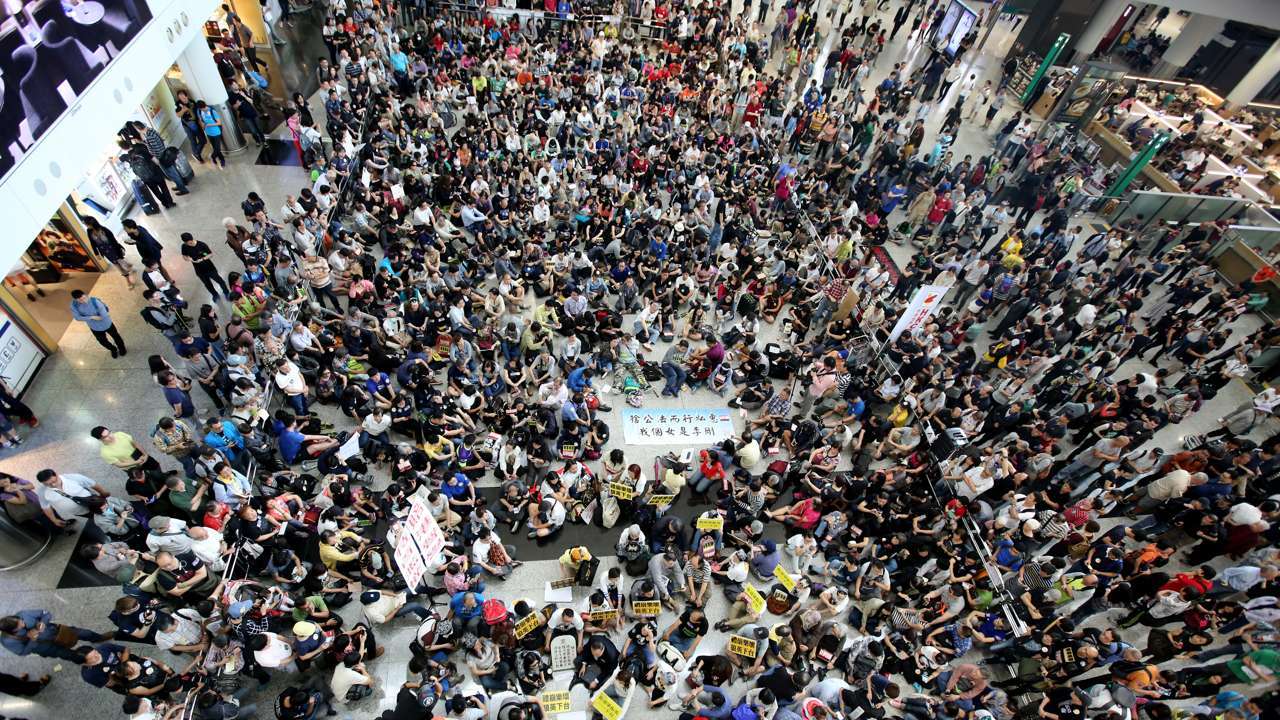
x=738, y=645
x=710, y=523
x=662, y=499
x=555, y=701
x=528, y=624
x=757, y=600
x=603, y=615
x=647, y=608
x=622, y=491
x=784, y=577
x=605, y=705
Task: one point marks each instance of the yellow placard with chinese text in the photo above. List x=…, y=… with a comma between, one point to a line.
x=605, y=705
x=784, y=577
x=757, y=600
x=528, y=624
x=738, y=645
x=622, y=491
x=555, y=701
x=647, y=608
x=603, y=615
x=710, y=523
x=662, y=499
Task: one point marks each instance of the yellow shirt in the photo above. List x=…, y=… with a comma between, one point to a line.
x=331, y=555
x=120, y=450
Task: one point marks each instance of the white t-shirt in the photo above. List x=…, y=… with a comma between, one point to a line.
x=73, y=486
x=343, y=679
x=275, y=654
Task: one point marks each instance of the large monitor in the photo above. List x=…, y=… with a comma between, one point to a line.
x=956, y=23
x=51, y=51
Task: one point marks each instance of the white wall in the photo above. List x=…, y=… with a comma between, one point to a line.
x=33, y=190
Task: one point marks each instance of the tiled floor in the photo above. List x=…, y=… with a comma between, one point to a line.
x=81, y=386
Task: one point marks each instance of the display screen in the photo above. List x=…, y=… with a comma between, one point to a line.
x=956, y=23
x=51, y=51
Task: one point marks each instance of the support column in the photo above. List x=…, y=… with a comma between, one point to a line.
x=200, y=74
x=1262, y=72
x=1198, y=31
x=1099, y=25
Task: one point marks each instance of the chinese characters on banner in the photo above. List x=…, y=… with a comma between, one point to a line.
x=923, y=304
x=675, y=426
x=421, y=541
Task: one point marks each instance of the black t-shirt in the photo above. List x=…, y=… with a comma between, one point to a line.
x=198, y=253
x=690, y=629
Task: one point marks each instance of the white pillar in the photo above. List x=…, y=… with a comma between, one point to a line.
x=1262, y=72
x=1099, y=25
x=1194, y=34
x=200, y=75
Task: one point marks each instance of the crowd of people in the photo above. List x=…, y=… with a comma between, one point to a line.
x=520, y=220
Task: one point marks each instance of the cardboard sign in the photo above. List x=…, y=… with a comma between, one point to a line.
x=784, y=577
x=757, y=600
x=562, y=583
x=647, y=608
x=603, y=615
x=528, y=624
x=746, y=647
x=710, y=523
x=555, y=701
x=605, y=705
x=662, y=499
x=621, y=491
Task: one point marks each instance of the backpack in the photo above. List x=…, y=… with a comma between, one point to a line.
x=494, y=611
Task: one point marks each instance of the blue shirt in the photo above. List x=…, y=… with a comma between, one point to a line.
x=461, y=611
x=290, y=444
x=207, y=119
x=181, y=398
x=84, y=310
x=400, y=62
x=576, y=382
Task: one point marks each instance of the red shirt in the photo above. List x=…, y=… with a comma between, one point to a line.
x=1184, y=580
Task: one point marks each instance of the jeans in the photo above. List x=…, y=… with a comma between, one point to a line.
x=698, y=482
x=298, y=403
x=650, y=337
x=414, y=608
x=675, y=376
x=251, y=124
x=172, y=173
x=101, y=337
x=198, y=141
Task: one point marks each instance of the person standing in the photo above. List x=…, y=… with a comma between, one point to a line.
x=94, y=313
x=122, y=451
x=149, y=249
x=64, y=497
x=200, y=256
x=105, y=244
x=148, y=171
x=34, y=632
x=185, y=108
x=211, y=124
x=240, y=102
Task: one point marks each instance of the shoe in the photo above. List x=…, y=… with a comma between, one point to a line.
x=114, y=354
x=123, y=352
x=31, y=297
x=182, y=192
x=41, y=294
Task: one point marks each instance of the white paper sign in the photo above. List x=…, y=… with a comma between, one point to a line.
x=677, y=426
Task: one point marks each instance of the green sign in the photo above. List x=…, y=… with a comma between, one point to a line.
x=1139, y=161
x=1049, y=57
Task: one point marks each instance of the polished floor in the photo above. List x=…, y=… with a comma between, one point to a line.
x=82, y=386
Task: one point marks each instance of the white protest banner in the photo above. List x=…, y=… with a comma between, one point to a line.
x=410, y=562
x=674, y=426
x=923, y=304
x=424, y=530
